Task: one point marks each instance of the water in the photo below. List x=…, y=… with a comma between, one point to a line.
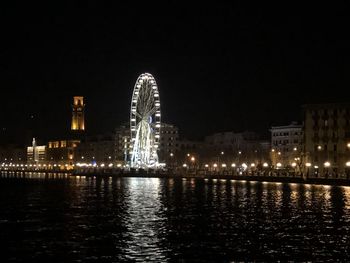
x=171, y=220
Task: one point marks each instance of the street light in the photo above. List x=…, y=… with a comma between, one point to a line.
x=347, y=170
x=327, y=165
x=192, y=161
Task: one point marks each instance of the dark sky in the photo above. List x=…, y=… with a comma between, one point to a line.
x=218, y=66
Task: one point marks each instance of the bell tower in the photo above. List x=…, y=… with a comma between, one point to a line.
x=78, y=107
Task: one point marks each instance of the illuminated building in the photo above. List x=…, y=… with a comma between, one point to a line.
x=36, y=154
x=78, y=123
x=236, y=146
x=61, y=153
x=286, y=143
x=122, y=143
x=96, y=149
x=169, y=142
x=327, y=138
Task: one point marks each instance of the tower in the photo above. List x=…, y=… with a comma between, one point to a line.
x=78, y=114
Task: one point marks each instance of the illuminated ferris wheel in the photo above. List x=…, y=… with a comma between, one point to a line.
x=145, y=122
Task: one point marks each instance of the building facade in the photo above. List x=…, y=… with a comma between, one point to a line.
x=97, y=150
x=327, y=139
x=36, y=154
x=169, y=143
x=236, y=147
x=122, y=143
x=61, y=153
x=78, y=118
x=286, y=144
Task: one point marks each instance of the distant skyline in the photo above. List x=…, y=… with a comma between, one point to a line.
x=219, y=67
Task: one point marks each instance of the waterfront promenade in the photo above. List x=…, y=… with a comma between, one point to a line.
x=262, y=176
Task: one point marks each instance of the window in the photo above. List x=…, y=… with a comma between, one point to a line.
x=335, y=147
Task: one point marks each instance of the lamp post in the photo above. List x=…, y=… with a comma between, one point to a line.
x=171, y=161
x=308, y=165
x=193, y=159
x=215, y=166
x=294, y=165
x=265, y=166
x=233, y=165
x=327, y=165
x=347, y=169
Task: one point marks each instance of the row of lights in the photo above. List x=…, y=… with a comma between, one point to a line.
x=58, y=165
x=95, y=165
x=233, y=165
x=31, y=165
x=319, y=147
x=93, y=157
x=279, y=165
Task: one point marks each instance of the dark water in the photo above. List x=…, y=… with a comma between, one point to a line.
x=171, y=220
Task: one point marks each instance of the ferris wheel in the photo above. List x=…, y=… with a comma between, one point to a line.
x=145, y=122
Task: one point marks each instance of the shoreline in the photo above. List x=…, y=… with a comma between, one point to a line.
x=257, y=178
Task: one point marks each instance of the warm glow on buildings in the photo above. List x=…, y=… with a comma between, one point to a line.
x=78, y=123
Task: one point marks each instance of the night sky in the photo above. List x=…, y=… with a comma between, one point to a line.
x=219, y=67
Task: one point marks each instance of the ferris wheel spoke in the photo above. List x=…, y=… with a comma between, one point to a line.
x=138, y=115
x=151, y=111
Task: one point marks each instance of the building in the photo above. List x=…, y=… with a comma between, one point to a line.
x=12, y=153
x=122, y=143
x=99, y=149
x=286, y=143
x=36, y=154
x=327, y=139
x=169, y=142
x=236, y=147
x=78, y=108
x=61, y=153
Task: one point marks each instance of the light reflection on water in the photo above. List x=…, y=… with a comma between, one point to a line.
x=150, y=219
